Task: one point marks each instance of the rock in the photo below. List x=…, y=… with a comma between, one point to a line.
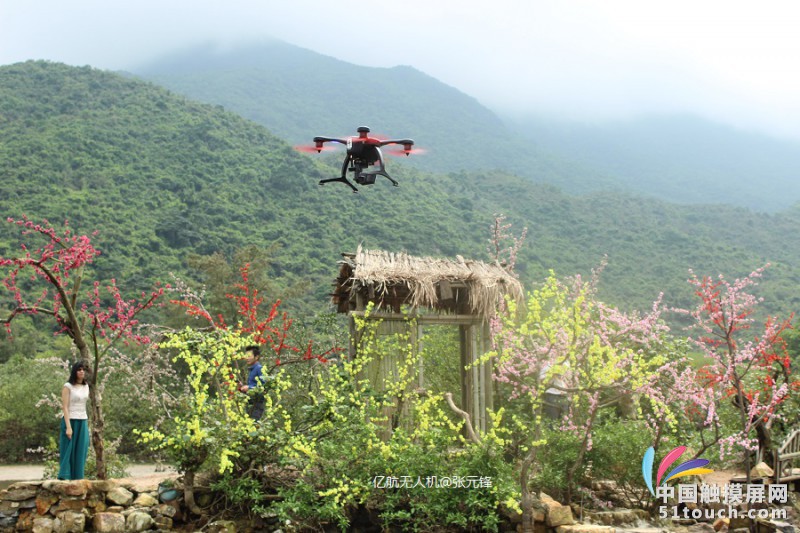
x=27, y=504
x=139, y=521
x=766, y=526
x=701, y=527
x=25, y=521
x=78, y=487
x=559, y=516
x=97, y=503
x=70, y=504
x=222, y=526
x=550, y=503
x=622, y=517
x=44, y=501
x=16, y=493
x=109, y=523
x=163, y=522
x=585, y=528
x=167, y=510
x=43, y=524
x=99, y=486
x=545, y=497
x=719, y=523
x=739, y=522
x=761, y=470
x=9, y=508
x=7, y=522
x=24, y=485
x=71, y=522
x=120, y=496
x=145, y=500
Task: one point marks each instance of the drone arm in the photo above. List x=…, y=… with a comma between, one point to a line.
x=404, y=142
x=329, y=139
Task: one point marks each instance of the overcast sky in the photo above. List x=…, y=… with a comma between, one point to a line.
x=733, y=61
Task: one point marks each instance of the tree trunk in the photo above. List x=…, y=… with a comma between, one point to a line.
x=527, y=499
x=581, y=454
x=188, y=493
x=764, y=434
x=98, y=430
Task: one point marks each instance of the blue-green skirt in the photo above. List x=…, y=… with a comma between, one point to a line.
x=73, y=451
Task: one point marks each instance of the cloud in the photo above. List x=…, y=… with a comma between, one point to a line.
x=732, y=60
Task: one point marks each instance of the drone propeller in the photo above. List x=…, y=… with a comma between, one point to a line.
x=305, y=148
x=405, y=150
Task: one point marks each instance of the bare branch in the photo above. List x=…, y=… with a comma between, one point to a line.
x=26, y=310
x=465, y=415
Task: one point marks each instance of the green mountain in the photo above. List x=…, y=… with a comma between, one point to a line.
x=162, y=177
x=682, y=159
x=297, y=94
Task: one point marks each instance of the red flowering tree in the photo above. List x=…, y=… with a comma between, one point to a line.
x=47, y=278
x=751, y=371
x=215, y=427
x=271, y=329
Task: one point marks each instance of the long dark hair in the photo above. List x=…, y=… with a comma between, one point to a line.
x=73, y=374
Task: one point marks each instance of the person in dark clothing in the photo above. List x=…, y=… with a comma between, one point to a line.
x=255, y=381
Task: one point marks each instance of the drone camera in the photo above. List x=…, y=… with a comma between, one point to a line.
x=365, y=179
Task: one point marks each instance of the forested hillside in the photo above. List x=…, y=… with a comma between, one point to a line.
x=297, y=93
x=683, y=159
x=161, y=177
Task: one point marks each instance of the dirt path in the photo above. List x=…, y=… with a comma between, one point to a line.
x=34, y=472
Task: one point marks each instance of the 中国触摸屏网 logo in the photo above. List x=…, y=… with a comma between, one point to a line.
x=689, y=468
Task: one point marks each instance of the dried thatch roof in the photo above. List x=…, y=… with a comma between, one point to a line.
x=425, y=281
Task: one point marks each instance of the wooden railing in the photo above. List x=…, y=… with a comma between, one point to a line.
x=785, y=458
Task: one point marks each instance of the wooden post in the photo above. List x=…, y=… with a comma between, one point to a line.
x=488, y=367
x=477, y=404
x=466, y=381
x=420, y=362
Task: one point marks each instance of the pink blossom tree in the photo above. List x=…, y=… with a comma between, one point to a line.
x=47, y=278
x=566, y=342
x=752, y=372
x=677, y=394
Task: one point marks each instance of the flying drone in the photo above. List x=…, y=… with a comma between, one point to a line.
x=364, y=158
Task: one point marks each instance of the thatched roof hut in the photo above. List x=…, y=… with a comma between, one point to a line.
x=450, y=286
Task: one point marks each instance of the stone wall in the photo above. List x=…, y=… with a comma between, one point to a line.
x=73, y=506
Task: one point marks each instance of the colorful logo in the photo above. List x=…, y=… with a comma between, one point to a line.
x=689, y=468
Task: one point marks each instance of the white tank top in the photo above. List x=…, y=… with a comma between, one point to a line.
x=78, y=394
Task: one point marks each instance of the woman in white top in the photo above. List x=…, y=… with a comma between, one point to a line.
x=74, y=441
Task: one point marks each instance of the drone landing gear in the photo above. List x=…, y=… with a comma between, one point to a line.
x=342, y=179
x=362, y=177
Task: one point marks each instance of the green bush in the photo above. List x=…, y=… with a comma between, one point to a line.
x=23, y=425
x=410, y=482
x=619, y=446
x=554, y=460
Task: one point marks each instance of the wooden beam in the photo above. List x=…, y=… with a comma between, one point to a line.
x=422, y=319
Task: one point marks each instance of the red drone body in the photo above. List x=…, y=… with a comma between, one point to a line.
x=364, y=157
